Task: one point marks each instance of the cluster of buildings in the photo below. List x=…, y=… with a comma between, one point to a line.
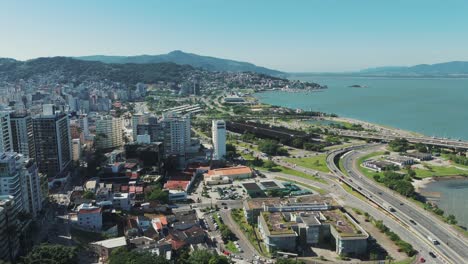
x=22, y=197
x=399, y=161
x=159, y=234
x=292, y=224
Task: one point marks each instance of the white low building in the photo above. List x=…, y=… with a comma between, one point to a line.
x=121, y=201
x=89, y=217
x=226, y=175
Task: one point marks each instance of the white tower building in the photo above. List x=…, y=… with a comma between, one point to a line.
x=218, y=130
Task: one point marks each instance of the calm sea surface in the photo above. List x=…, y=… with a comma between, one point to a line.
x=453, y=199
x=434, y=107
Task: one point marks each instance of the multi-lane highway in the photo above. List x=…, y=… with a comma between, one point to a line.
x=453, y=248
x=440, y=142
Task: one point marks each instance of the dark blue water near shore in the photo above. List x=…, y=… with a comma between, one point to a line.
x=434, y=107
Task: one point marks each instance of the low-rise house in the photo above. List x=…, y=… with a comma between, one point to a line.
x=193, y=235
x=419, y=156
x=121, y=201
x=159, y=224
x=377, y=165
x=400, y=161
x=143, y=223
x=104, y=248
x=177, y=189
x=89, y=217
x=184, y=220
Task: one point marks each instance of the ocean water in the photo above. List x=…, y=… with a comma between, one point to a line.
x=431, y=106
x=453, y=197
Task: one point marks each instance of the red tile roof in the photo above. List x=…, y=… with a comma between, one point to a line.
x=176, y=185
x=90, y=211
x=230, y=171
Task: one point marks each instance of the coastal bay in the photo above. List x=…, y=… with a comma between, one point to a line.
x=430, y=106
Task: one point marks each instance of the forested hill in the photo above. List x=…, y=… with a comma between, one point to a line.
x=180, y=57
x=68, y=69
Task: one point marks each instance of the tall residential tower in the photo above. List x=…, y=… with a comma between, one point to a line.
x=218, y=129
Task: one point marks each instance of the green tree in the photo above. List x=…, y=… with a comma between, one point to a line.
x=270, y=147
x=157, y=194
x=298, y=143
x=227, y=234
x=399, y=145
x=89, y=195
x=200, y=256
x=123, y=256
x=421, y=147
x=53, y=254
x=451, y=219
x=269, y=164
x=216, y=259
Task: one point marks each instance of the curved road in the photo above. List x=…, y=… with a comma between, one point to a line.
x=452, y=245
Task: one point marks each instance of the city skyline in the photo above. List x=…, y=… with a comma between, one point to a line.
x=309, y=36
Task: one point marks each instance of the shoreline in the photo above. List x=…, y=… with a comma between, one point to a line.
x=366, y=124
x=420, y=185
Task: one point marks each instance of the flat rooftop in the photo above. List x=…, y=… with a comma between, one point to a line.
x=273, y=201
x=342, y=224
x=277, y=224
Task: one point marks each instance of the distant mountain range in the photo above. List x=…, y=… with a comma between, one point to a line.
x=454, y=68
x=183, y=58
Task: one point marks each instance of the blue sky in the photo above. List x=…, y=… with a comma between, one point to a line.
x=294, y=35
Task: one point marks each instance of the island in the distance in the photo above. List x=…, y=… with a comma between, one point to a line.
x=357, y=86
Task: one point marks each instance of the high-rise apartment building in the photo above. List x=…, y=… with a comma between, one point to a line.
x=138, y=119
x=9, y=241
x=5, y=132
x=218, y=130
x=84, y=125
x=76, y=149
x=22, y=134
x=176, y=131
x=19, y=178
x=109, y=132
x=153, y=128
x=53, y=143
x=173, y=130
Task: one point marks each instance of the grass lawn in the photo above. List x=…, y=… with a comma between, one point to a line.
x=297, y=173
x=317, y=189
x=231, y=247
x=437, y=171
x=353, y=192
x=318, y=162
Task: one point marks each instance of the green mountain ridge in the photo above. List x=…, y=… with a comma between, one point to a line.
x=183, y=58
x=437, y=69
x=66, y=69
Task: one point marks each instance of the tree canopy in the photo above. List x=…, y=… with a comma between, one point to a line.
x=123, y=256
x=51, y=254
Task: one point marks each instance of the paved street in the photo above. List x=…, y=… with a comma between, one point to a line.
x=451, y=245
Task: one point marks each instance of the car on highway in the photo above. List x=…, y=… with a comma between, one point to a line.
x=432, y=254
x=412, y=221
